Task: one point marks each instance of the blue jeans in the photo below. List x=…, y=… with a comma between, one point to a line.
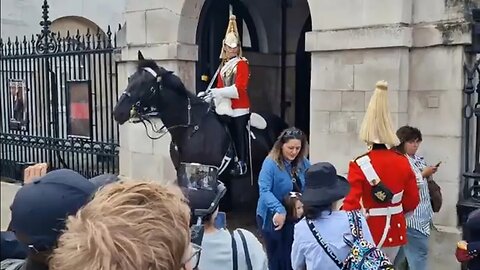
x=415, y=251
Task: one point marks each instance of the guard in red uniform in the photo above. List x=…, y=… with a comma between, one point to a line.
x=230, y=96
x=382, y=181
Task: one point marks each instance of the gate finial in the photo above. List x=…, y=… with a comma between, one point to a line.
x=46, y=42
x=45, y=22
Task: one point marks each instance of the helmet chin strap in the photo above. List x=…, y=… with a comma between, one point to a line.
x=151, y=71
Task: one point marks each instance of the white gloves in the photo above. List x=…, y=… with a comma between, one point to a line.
x=225, y=92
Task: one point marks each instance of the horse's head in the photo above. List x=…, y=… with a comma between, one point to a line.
x=142, y=90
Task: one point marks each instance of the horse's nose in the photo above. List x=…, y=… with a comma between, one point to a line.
x=120, y=117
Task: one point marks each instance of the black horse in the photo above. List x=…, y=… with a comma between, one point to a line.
x=198, y=134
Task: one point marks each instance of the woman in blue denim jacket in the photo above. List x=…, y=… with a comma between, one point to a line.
x=283, y=171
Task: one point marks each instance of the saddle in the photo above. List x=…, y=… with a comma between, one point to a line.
x=256, y=120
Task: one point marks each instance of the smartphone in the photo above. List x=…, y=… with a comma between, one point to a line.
x=221, y=220
x=438, y=164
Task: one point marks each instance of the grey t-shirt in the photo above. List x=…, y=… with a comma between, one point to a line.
x=12, y=264
x=217, y=251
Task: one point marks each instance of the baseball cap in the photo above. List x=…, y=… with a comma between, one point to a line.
x=39, y=209
x=103, y=180
x=10, y=247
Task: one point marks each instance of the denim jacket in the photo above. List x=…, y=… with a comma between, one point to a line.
x=274, y=184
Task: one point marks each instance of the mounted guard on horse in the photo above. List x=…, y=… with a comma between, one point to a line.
x=231, y=96
x=199, y=133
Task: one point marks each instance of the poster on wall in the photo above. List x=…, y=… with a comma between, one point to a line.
x=79, y=109
x=18, y=105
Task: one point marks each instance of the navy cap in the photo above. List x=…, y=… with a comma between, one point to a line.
x=40, y=208
x=104, y=179
x=10, y=247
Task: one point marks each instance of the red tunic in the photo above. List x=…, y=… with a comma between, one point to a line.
x=395, y=172
x=241, y=82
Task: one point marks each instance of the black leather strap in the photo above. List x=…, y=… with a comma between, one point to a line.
x=324, y=245
x=234, y=251
x=245, y=250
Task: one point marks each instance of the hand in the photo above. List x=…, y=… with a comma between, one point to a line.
x=201, y=94
x=215, y=93
x=278, y=221
x=429, y=171
x=34, y=172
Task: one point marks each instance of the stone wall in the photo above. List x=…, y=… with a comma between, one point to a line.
x=170, y=48
x=22, y=17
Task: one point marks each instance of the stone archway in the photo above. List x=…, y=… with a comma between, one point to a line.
x=71, y=24
x=264, y=54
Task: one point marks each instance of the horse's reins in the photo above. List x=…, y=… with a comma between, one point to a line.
x=153, y=92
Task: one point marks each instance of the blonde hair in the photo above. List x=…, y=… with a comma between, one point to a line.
x=127, y=225
x=276, y=151
x=377, y=126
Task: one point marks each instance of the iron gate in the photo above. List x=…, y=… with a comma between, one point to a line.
x=470, y=190
x=57, y=97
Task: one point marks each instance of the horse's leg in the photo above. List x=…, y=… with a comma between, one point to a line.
x=226, y=204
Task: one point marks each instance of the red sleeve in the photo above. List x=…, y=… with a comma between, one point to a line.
x=243, y=75
x=411, y=198
x=355, y=178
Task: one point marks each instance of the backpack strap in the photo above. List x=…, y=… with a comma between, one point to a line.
x=324, y=245
x=355, y=227
x=355, y=223
x=234, y=251
x=245, y=250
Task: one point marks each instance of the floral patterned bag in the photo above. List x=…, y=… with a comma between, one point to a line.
x=363, y=255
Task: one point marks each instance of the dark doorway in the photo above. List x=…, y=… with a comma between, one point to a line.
x=211, y=31
x=302, y=81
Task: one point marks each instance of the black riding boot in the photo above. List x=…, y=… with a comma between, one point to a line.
x=238, y=129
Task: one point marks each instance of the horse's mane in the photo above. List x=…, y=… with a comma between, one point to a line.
x=169, y=79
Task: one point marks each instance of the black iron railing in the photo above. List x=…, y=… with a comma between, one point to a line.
x=57, y=98
x=470, y=189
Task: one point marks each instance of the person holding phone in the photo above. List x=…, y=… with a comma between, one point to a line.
x=415, y=252
x=221, y=249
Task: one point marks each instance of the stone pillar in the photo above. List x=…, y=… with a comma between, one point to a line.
x=350, y=53
x=165, y=32
x=440, y=32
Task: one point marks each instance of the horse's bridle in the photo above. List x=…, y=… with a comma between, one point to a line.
x=154, y=90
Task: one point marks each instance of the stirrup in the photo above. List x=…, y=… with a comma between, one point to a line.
x=240, y=168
